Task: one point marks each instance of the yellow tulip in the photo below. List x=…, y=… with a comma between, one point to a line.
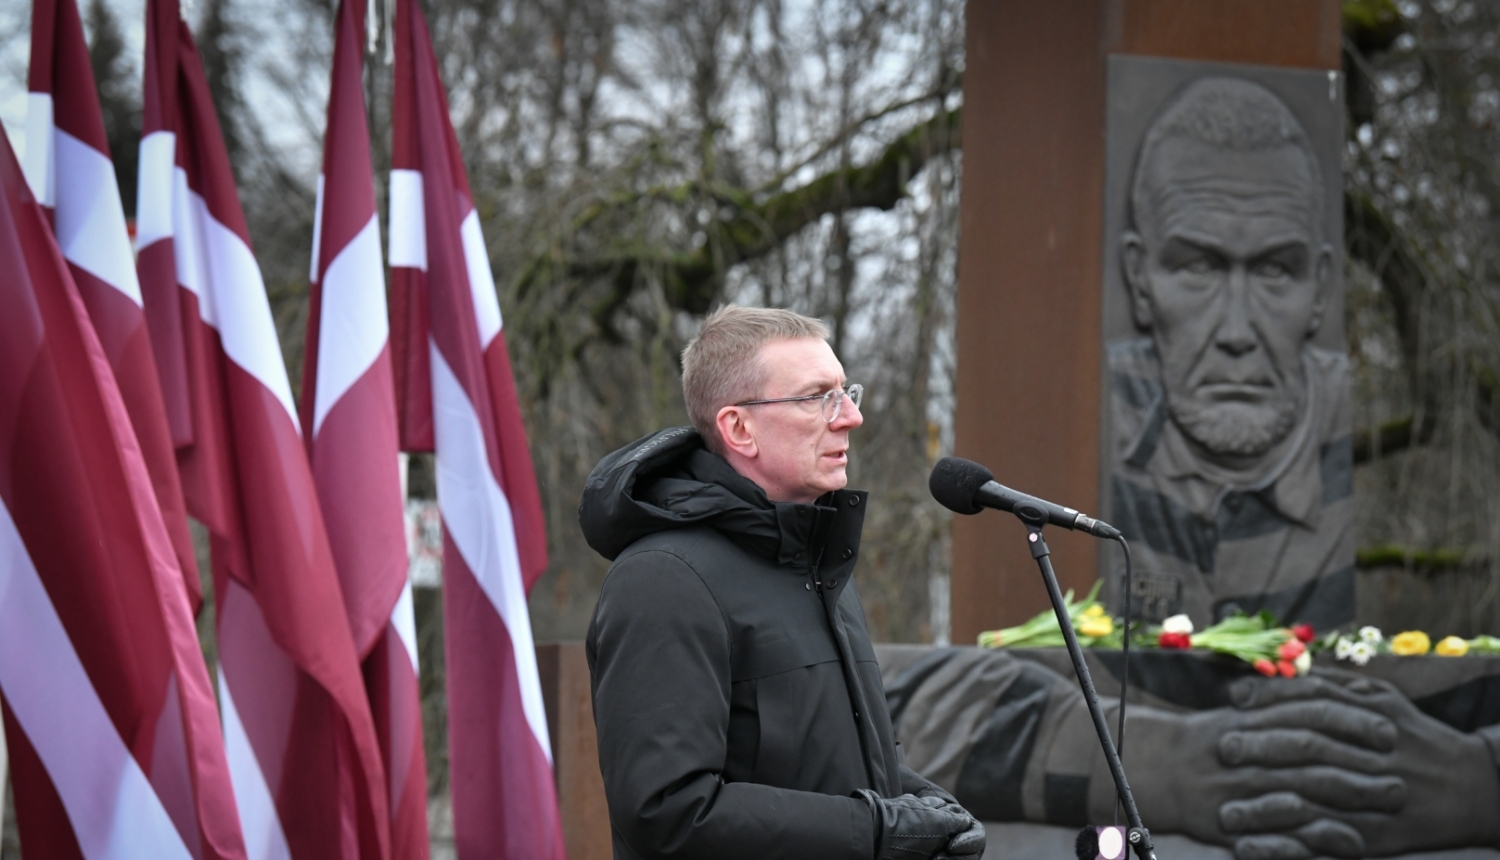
x=1452, y=646
x=1097, y=626
x=1095, y=611
x=1410, y=643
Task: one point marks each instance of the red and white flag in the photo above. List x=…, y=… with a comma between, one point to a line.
x=109, y=715
x=456, y=394
x=67, y=162
x=349, y=420
x=302, y=748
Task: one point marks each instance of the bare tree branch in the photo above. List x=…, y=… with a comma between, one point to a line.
x=691, y=279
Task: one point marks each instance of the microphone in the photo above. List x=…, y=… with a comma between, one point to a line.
x=964, y=487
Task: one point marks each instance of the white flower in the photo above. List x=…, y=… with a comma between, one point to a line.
x=1303, y=662
x=1361, y=652
x=1370, y=635
x=1343, y=648
x=1177, y=624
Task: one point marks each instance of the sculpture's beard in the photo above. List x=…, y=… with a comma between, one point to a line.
x=1236, y=428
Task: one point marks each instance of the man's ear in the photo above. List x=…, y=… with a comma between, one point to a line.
x=735, y=431
x=1322, y=277
x=1133, y=264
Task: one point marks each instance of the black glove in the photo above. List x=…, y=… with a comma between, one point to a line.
x=967, y=845
x=932, y=789
x=909, y=827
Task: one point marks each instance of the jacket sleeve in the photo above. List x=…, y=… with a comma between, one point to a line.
x=659, y=650
x=915, y=783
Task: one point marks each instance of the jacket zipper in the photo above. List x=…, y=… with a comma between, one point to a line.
x=852, y=685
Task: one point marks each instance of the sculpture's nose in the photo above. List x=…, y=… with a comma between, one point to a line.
x=1235, y=335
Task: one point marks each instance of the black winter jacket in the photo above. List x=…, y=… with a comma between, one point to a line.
x=737, y=698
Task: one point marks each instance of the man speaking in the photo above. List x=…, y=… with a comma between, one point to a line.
x=739, y=707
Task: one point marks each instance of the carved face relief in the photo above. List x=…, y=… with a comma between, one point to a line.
x=1227, y=272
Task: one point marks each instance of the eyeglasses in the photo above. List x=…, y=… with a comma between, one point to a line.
x=832, y=400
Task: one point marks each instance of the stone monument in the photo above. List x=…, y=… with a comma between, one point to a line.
x=1228, y=455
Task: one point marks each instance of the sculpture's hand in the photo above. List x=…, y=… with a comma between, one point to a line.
x=1305, y=829
x=1187, y=769
x=1289, y=825
x=1452, y=789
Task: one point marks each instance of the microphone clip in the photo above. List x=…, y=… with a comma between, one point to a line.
x=1033, y=515
x=1035, y=541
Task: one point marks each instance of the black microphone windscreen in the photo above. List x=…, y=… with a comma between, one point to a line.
x=955, y=481
x=1086, y=845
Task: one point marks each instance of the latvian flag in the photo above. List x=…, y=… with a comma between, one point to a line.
x=109, y=715
x=456, y=394
x=349, y=419
x=302, y=748
x=68, y=164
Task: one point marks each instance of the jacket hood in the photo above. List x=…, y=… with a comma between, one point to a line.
x=669, y=480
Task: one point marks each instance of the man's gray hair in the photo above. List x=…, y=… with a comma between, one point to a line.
x=721, y=366
x=1231, y=114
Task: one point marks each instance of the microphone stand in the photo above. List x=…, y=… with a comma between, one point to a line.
x=1138, y=836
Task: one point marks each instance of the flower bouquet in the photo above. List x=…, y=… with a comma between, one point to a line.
x=1257, y=639
x=1090, y=621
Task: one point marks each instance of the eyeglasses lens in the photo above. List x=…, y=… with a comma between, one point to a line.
x=833, y=401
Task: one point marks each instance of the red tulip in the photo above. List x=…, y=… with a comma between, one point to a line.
x=1291, y=649
x=1266, y=667
x=1304, y=632
x=1175, y=640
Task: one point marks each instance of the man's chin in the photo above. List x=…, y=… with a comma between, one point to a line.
x=834, y=480
x=1235, y=428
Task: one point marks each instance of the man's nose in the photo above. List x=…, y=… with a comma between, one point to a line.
x=1234, y=334
x=849, y=416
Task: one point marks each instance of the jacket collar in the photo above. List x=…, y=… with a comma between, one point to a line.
x=669, y=480
x=809, y=531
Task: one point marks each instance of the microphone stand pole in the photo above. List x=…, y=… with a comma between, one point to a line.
x=1138, y=836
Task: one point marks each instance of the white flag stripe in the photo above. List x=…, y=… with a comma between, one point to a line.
x=404, y=619
x=216, y=264
x=90, y=223
x=187, y=246
x=36, y=160
x=352, y=329
x=114, y=811
x=264, y=838
x=153, y=200
x=477, y=517
x=408, y=221
x=481, y=282
x=317, y=232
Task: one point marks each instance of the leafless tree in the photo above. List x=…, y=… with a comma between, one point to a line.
x=1422, y=211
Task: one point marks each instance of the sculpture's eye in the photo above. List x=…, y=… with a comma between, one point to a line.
x=1197, y=265
x=1274, y=275
x=1271, y=270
